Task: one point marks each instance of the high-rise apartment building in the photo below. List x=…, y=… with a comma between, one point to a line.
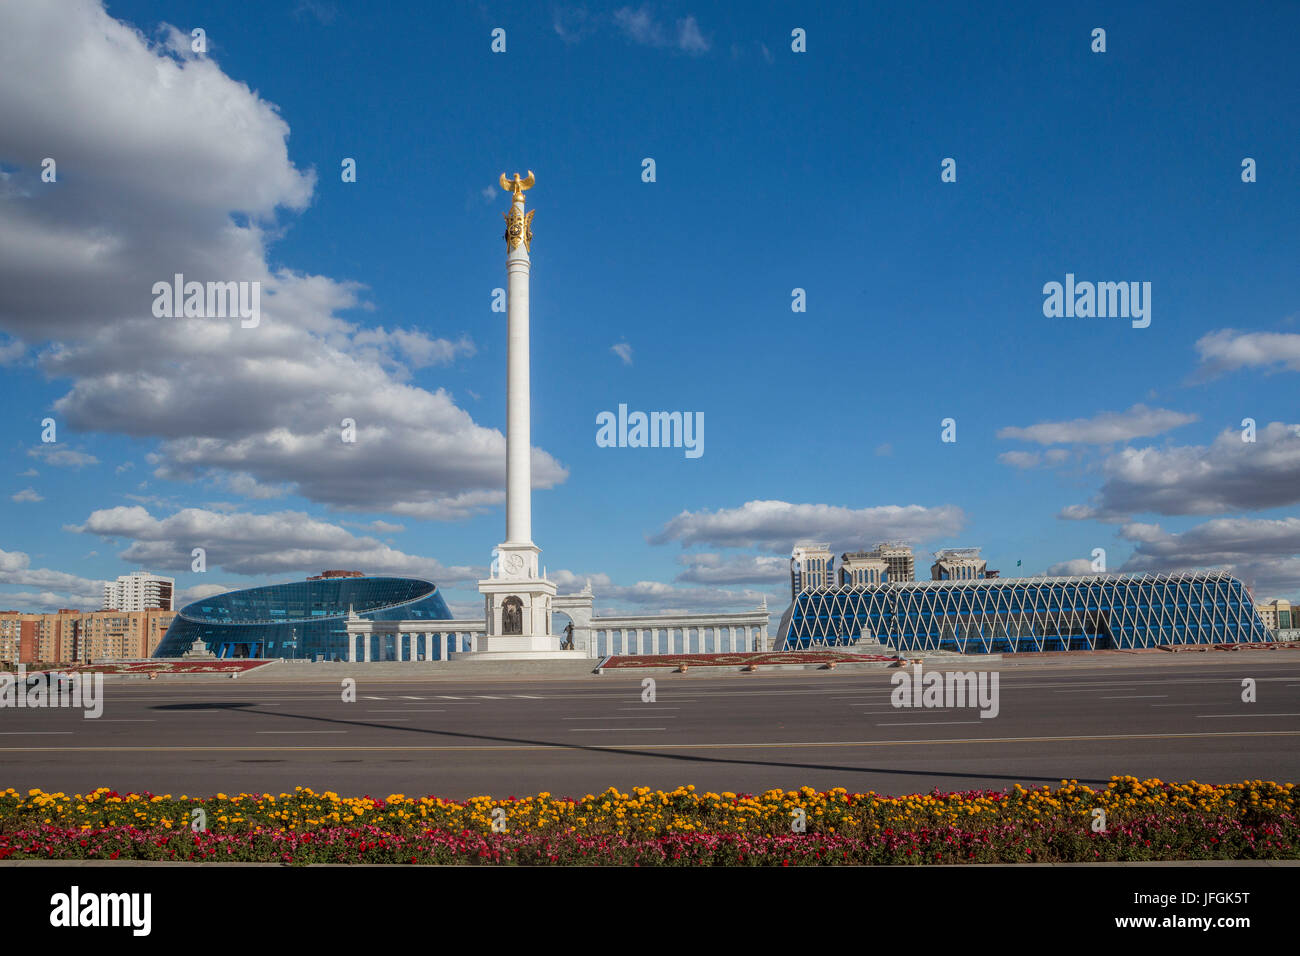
x=900, y=563
x=67, y=636
x=139, y=591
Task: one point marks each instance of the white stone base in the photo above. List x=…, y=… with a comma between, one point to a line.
x=517, y=647
x=518, y=656
x=489, y=643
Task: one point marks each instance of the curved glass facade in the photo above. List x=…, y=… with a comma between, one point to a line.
x=304, y=619
x=1088, y=612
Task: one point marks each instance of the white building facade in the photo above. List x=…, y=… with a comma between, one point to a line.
x=140, y=591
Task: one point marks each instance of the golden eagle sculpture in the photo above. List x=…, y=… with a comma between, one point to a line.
x=517, y=185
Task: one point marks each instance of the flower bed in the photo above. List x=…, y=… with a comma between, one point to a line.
x=731, y=660
x=1145, y=820
x=159, y=667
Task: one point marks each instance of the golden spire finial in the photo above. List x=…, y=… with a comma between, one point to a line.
x=517, y=185
x=518, y=223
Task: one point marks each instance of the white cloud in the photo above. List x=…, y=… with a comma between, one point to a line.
x=708, y=568
x=258, y=544
x=242, y=483
x=60, y=456
x=1261, y=551
x=1020, y=459
x=27, y=494
x=15, y=569
x=167, y=165
x=1228, y=350
x=623, y=351
x=1102, y=429
x=1228, y=475
x=38, y=602
x=642, y=27
x=777, y=525
x=1072, y=567
x=189, y=595
x=646, y=597
x=1033, y=459
x=414, y=348
x=689, y=37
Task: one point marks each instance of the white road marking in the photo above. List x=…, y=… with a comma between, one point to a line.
x=1248, y=715
x=302, y=731
x=612, y=730
x=1134, y=696
x=646, y=717
x=926, y=723
x=1091, y=690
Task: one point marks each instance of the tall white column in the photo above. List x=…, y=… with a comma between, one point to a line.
x=365, y=647
x=519, y=513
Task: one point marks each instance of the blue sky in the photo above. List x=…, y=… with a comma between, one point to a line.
x=775, y=170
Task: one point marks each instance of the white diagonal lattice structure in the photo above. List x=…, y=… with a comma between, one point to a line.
x=1008, y=615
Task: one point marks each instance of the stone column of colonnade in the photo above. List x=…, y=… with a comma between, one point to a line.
x=676, y=639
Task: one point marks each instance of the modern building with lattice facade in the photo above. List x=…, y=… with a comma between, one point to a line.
x=1010, y=615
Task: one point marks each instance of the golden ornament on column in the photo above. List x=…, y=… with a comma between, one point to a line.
x=519, y=225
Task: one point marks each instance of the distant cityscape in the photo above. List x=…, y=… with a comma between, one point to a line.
x=138, y=608
x=136, y=612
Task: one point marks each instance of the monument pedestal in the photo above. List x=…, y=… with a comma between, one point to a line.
x=517, y=610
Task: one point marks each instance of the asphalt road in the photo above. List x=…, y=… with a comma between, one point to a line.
x=1174, y=718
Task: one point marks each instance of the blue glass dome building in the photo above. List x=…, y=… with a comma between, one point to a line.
x=303, y=619
x=1010, y=615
